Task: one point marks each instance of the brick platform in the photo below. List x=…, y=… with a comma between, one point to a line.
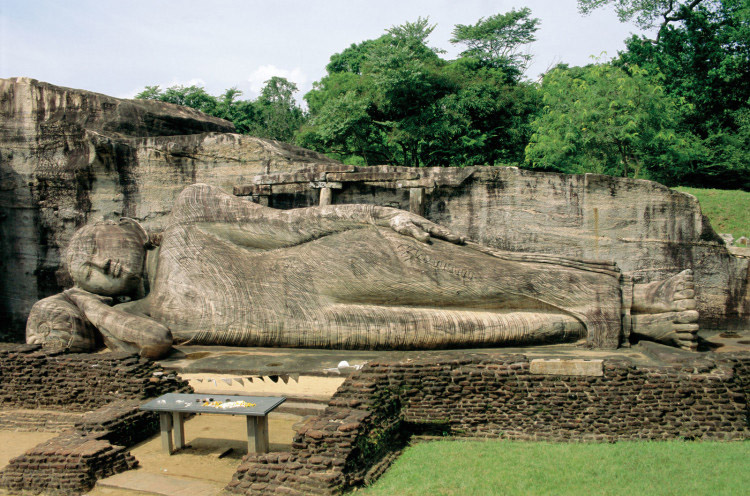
x=109, y=387
x=375, y=411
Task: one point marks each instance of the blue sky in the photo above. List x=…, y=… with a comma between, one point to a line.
x=118, y=47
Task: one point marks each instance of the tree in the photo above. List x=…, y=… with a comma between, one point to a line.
x=647, y=13
x=344, y=127
x=415, y=33
x=395, y=100
x=486, y=118
x=150, y=93
x=605, y=119
x=187, y=96
x=277, y=114
x=278, y=91
x=377, y=101
x=497, y=40
x=274, y=114
x=242, y=113
x=705, y=60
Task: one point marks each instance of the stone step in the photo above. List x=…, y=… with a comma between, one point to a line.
x=162, y=485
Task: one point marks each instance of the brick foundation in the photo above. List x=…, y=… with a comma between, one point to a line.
x=32, y=378
x=109, y=387
x=375, y=411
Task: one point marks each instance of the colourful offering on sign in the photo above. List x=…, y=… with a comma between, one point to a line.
x=231, y=404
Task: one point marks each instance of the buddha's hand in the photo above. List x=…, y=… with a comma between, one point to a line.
x=415, y=226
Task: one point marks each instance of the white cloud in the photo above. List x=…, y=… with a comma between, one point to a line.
x=263, y=73
x=189, y=82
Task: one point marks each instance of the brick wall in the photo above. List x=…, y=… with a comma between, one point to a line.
x=32, y=378
x=109, y=387
x=376, y=410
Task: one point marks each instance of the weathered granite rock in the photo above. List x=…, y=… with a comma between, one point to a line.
x=648, y=229
x=98, y=158
x=228, y=271
x=68, y=157
x=728, y=238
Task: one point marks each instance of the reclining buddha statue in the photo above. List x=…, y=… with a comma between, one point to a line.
x=227, y=271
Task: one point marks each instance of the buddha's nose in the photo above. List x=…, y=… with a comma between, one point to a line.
x=101, y=262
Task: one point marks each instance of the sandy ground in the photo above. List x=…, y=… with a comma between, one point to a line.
x=208, y=438
x=13, y=444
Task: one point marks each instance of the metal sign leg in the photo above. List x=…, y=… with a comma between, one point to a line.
x=165, y=419
x=257, y=434
x=178, y=427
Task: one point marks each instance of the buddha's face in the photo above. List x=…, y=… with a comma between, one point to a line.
x=107, y=258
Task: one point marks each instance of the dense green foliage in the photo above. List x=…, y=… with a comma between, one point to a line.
x=675, y=108
x=645, y=13
x=624, y=468
x=395, y=100
x=727, y=210
x=606, y=119
x=705, y=60
x=274, y=114
x=497, y=40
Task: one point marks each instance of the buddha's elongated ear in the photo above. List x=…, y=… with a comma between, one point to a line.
x=127, y=221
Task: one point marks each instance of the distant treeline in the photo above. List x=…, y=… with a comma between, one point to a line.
x=674, y=108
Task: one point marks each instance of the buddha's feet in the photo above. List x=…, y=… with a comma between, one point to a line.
x=665, y=311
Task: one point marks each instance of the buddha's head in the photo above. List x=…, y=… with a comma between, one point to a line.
x=107, y=258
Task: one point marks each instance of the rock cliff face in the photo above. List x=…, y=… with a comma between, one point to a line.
x=68, y=157
x=648, y=229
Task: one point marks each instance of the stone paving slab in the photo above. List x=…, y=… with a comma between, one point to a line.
x=166, y=485
x=295, y=362
x=272, y=362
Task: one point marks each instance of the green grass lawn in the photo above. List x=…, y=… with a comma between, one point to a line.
x=626, y=468
x=728, y=210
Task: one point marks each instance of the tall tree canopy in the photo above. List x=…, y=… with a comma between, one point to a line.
x=647, y=14
x=604, y=119
x=674, y=106
x=498, y=39
x=395, y=100
x=705, y=60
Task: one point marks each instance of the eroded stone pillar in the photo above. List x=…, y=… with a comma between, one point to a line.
x=326, y=196
x=416, y=201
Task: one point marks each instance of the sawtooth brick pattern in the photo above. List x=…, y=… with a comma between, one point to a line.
x=375, y=411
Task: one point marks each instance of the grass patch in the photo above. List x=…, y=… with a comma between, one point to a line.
x=627, y=468
x=728, y=210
